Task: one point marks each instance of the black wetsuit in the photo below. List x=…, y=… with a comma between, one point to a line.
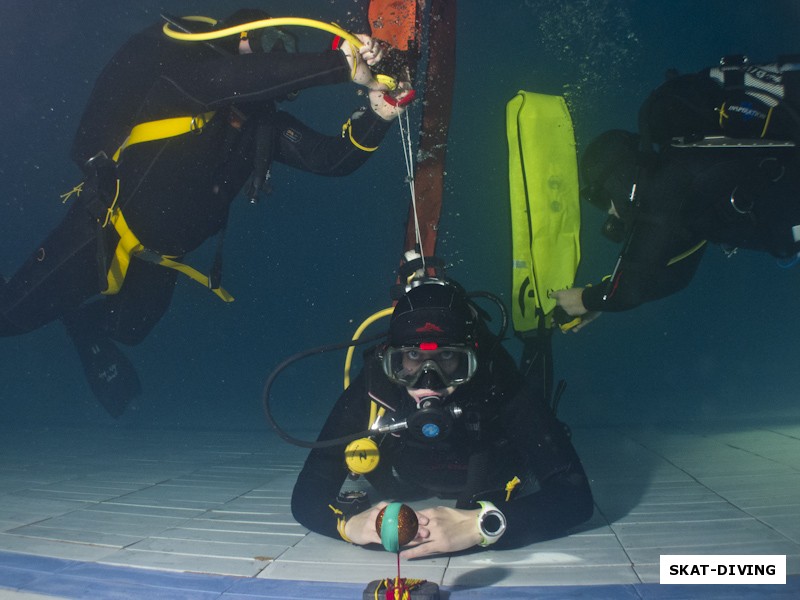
x=686, y=198
x=507, y=430
x=685, y=193
x=175, y=193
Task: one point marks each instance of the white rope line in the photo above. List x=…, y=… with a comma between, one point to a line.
x=408, y=153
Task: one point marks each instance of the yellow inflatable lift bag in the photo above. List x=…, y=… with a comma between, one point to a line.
x=545, y=209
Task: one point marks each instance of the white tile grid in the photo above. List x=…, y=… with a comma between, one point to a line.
x=734, y=482
x=219, y=503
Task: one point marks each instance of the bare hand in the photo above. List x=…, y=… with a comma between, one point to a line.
x=390, y=106
x=571, y=300
x=360, y=528
x=371, y=51
x=443, y=529
x=369, y=54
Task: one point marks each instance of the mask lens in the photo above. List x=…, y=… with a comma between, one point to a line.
x=406, y=366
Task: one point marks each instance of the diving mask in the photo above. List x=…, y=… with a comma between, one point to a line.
x=275, y=39
x=413, y=366
x=270, y=39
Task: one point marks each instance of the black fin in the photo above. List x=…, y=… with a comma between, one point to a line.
x=110, y=374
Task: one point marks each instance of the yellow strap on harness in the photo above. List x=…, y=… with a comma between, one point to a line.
x=162, y=129
x=129, y=245
x=164, y=261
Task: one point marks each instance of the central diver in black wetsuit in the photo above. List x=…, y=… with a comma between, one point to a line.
x=172, y=133
x=460, y=422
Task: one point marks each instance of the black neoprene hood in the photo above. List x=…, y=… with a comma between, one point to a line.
x=609, y=159
x=434, y=311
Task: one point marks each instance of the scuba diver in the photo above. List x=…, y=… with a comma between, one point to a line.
x=456, y=420
x=173, y=131
x=716, y=161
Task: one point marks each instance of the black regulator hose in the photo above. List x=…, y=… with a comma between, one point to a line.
x=500, y=306
x=342, y=441
x=292, y=359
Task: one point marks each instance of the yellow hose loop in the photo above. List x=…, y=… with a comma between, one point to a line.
x=332, y=28
x=351, y=350
x=373, y=408
x=274, y=22
x=201, y=19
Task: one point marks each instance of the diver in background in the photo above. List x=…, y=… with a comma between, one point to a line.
x=716, y=162
x=465, y=425
x=171, y=134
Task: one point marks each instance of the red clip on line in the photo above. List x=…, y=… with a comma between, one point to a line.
x=401, y=100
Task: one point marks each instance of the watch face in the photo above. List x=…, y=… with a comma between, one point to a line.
x=491, y=523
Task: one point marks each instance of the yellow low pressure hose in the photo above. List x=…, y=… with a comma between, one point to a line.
x=263, y=23
x=373, y=410
x=367, y=322
x=332, y=28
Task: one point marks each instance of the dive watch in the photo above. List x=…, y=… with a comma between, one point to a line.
x=491, y=524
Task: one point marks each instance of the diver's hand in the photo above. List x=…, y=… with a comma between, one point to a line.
x=372, y=51
x=389, y=106
x=443, y=529
x=360, y=61
x=571, y=300
x=360, y=528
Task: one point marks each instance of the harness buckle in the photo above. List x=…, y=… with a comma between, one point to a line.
x=197, y=124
